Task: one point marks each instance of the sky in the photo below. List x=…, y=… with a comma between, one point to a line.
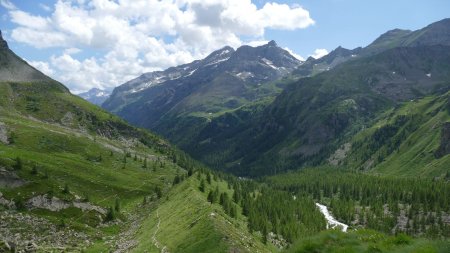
x=104, y=43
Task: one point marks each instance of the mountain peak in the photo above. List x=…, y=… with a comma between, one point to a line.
x=95, y=95
x=272, y=43
x=3, y=43
x=219, y=55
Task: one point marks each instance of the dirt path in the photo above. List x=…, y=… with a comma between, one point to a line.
x=157, y=244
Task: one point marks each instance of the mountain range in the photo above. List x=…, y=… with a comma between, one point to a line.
x=259, y=110
x=96, y=96
x=225, y=80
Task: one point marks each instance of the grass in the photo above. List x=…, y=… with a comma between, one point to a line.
x=188, y=223
x=79, y=161
x=66, y=157
x=414, y=154
x=367, y=241
x=87, y=157
x=78, y=157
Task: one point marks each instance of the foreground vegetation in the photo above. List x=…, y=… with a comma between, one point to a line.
x=367, y=241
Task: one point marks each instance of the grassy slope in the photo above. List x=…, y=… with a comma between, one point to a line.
x=367, y=241
x=188, y=223
x=69, y=155
x=410, y=151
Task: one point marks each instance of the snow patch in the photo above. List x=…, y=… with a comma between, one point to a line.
x=190, y=73
x=331, y=221
x=146, y=85
x=269, y=63
x=245, y=75
x=217, y=62
x=224, y=52
x=429, y=74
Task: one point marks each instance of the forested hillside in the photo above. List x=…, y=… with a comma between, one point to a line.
x=324, y=103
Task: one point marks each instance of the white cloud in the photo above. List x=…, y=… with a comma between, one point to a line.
x=281, y=16
x=72, y=50
x=42, y=66
x=299, y=57
x=45, y=7
x=257, y=43
x=319, y=53
x=131, y=37
x=25, y=19
x=7, y=4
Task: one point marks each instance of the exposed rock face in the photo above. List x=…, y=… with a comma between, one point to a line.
x=68, y=119
x=3, y=134
x=84, y=206
x=44, y=202
x=7, y=203
x=9, y=179
x=340, y=154
x=55, y=204
x=21, y=232
x=444, y=148
x=14, y=69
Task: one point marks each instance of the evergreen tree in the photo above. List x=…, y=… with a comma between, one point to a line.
x=158, y=192
x=34, y=170
x=208, y=178
x=110, y=215
x=117, y=206
x=66, y=189
x=211, y=197
x=202, y=185
x=18, y=165
x=176, y=180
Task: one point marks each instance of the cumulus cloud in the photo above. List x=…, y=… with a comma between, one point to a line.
x=136, y=36
x=319, y=53
x=44, y=67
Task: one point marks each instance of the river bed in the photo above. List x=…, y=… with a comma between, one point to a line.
x=331, y=221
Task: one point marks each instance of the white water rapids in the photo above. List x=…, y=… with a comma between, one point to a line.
x=331, y=221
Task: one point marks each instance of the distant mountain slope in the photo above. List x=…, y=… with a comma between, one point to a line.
x=13, y=68
x=409, y=140
x=313, y=115
x=434, y=34
x=95, y=96
x=323, y=103
x=225, y=80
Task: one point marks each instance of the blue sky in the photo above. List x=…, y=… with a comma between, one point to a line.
x=98, y=43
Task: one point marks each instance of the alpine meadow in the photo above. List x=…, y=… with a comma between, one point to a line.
x=196, y=126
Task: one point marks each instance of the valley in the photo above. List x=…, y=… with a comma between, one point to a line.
x=253, y=150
